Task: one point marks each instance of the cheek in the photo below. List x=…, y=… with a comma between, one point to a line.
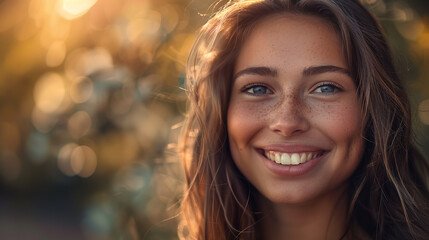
x=349, y=126
x=343, y=125
x=243, y=122
x=237, y=122
x=342, y=121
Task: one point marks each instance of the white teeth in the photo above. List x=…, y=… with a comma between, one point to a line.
x=295, y=159
x=303, y=158
x=277, y=158
x=285, y=159
x=291, y=158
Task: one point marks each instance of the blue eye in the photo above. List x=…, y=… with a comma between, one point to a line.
x=327, y=88
x=257, y=90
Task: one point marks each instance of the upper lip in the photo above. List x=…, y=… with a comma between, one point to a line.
x=291, y=148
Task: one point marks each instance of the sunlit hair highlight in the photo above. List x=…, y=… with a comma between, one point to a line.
x=388, y=192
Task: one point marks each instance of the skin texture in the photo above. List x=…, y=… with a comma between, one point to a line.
x=290, y=105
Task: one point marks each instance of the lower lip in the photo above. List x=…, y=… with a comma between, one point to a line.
x=292, y=170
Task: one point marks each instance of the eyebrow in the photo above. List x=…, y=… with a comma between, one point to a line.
x=314, y=70
x=309, y=71
x=262, y=71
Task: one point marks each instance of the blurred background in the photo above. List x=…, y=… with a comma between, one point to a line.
x=91, y=102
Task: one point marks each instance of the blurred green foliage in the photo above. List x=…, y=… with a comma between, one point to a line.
x=91, y=102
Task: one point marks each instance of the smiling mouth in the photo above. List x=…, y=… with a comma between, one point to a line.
x=291, y=158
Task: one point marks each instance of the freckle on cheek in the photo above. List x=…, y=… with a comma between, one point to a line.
x=264, y=111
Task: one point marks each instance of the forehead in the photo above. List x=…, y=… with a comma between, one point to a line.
x=291, y=39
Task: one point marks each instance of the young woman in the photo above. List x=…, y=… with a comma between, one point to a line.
x=299, y=128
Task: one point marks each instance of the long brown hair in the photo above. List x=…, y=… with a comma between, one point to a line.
x=389, y=196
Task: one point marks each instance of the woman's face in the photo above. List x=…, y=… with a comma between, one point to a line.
x=294, y=119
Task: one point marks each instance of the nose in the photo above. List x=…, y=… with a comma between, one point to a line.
x=290, y=117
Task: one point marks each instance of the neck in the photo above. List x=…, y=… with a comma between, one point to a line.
x=321, y=219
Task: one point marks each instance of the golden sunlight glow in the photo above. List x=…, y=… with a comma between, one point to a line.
x=49, y=92
x=148, y=26
x=56, y=54
x=410, y=30
x=71, y=9
x=423, y=41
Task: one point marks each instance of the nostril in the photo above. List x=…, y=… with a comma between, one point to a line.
x=289, y=125
x=287, y=131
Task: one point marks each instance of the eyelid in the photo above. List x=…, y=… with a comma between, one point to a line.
x=245, y=88
x=336, y=85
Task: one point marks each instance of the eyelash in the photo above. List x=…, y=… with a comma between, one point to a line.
x=246, y=88
x=336, y=87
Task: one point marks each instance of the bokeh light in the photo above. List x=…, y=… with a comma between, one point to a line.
x=83, y=62
x=83, y=161
x=89, y=90
x=49, y=92
x=64, y=159
x=70, y=9
x=79, y=124
x=146, y=26
x=42, y=121
x=56, y=54
x=81, y=89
